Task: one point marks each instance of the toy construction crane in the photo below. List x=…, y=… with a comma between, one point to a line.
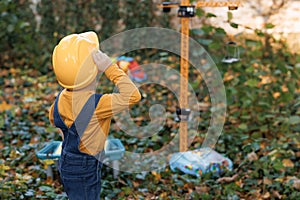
x=186, y=11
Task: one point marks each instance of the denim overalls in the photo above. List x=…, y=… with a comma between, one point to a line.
x=80, y=172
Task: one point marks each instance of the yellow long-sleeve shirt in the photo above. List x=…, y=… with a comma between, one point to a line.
x=70, y=104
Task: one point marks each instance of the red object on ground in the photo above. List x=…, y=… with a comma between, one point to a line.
x=136, y=72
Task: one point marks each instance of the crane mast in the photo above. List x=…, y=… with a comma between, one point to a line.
x=185, y=12
x=184, y=71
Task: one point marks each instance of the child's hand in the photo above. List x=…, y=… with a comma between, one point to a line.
x=101, y=60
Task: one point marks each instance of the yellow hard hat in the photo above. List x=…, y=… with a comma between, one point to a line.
x=72, y=60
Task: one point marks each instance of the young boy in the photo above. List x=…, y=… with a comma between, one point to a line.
x=83, y=116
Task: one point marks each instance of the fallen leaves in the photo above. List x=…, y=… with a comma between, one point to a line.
x=263, y=163
x=202, y=189
x=252, y=156
x=5, y=106
x=265, y=80
x=230, y=75
x=267, y=195
x=267, y=181
x=227, y=179
x=276, y=95
x=296, y=184
x=287, y=163
x=294, y=181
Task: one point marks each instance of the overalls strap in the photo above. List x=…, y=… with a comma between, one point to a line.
x=82, y=119
x=85, y=115
x=58, y=122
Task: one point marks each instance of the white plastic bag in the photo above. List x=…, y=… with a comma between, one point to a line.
x=200, y=161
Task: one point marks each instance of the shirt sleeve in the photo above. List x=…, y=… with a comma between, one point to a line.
x=111, y=104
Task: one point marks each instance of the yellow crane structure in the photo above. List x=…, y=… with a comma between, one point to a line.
x=185, y=12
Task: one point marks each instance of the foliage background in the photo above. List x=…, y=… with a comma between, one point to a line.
x=261, y=134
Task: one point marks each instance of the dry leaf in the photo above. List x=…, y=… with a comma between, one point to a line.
x=276, y=194
x=284, y=88
x=294, y=180
x=276, y=95
x=121, y=181
x=266, y=195
x=287, y=163
x=202, y=189
x=263, y=145
x=228, y=76
x=239, y=183
x=296, y=184
x=267, y=181
x=252, y=156
x=5, y=106
x=227, y=179
x=265, y=80
x=135, y=184
x=156, y=175
x=163, y=195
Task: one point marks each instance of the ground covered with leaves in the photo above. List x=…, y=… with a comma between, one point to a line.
x=261, y=134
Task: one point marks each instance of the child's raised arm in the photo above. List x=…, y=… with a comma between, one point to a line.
x=129, y=94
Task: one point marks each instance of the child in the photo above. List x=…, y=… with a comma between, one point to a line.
x=83, y=116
